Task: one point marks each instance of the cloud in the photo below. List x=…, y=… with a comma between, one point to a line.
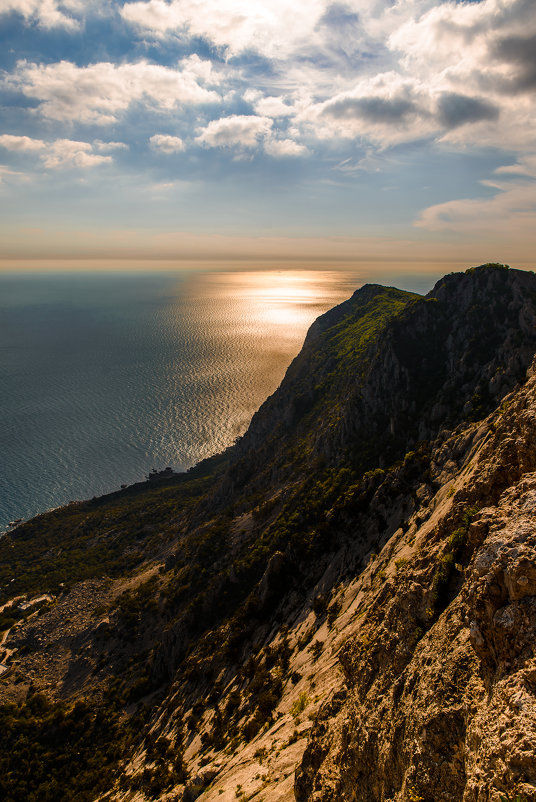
x=482, y=96
x=237, y=130
x=103, y=146
x=61, y=152
x=6, y=172
x=348, y=80
x=494, y=42
x=519, y=51
x=525, y=166
x=512, y=208
x=69, y=153
x=272, y=107
x=284, y=147
x=167, y=144
x=274, y=28
x=47, y=13
x=100, y=92
x=381, y=72
x=372, y=109
x=21, y=143
x=454, y=110
x=384, y=109
x=249, y=131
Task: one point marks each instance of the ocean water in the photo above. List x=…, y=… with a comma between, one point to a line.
x=106, y=376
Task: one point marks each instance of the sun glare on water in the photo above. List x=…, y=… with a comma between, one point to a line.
x=284, y=299
x=289, y=299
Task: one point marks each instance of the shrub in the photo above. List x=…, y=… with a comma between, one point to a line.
x=299, y=705
x=305, y=639
x=333, y=612
x=320, y=605
x=317, y=648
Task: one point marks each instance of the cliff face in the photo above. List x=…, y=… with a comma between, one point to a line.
x=341, y=607
x=439, y=699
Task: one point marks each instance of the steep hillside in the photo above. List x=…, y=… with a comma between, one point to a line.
x=340, y=607
x=439, y=692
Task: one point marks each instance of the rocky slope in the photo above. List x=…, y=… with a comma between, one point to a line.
x=439, y=699
x=341, y=607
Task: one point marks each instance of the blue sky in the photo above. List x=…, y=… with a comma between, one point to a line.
x=367, y=130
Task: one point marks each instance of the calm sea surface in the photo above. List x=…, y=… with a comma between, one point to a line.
x=105, y=376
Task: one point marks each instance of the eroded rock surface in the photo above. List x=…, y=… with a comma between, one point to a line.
x=441, y=668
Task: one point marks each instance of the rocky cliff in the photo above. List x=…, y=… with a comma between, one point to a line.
x=439, y=692
x=341, y=607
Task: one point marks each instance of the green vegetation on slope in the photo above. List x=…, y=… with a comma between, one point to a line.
x=50, y=752
x=108, y=536
x=54, y=751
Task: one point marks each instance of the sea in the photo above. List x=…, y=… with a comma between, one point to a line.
x=105, y=376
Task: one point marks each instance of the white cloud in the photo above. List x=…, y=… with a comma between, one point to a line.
x=284, y=147
x=272, y=27
x=251, y=95
x=242, y=130
x=461, y=73
x=526, y=166
x=247, y=132
x=99, y=145
x=69, y=153
x=47, y=13
x=477, y=62
x=385, y=109
x=377, y=71
x=273, y=107
x=61, y=152
x=100, y=92
x=167, y=144
x=21, y=143
x=457, y=72
x=202, y=69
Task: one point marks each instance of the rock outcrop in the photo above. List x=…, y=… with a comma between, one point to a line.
x=441, y=669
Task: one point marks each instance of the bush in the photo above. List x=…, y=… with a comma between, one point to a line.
x=299, y=705
x=320, y=605
x=50, y=751
x=305, y=639
x=317, y=648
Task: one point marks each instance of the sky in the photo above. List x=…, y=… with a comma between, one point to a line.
x=369, y=131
